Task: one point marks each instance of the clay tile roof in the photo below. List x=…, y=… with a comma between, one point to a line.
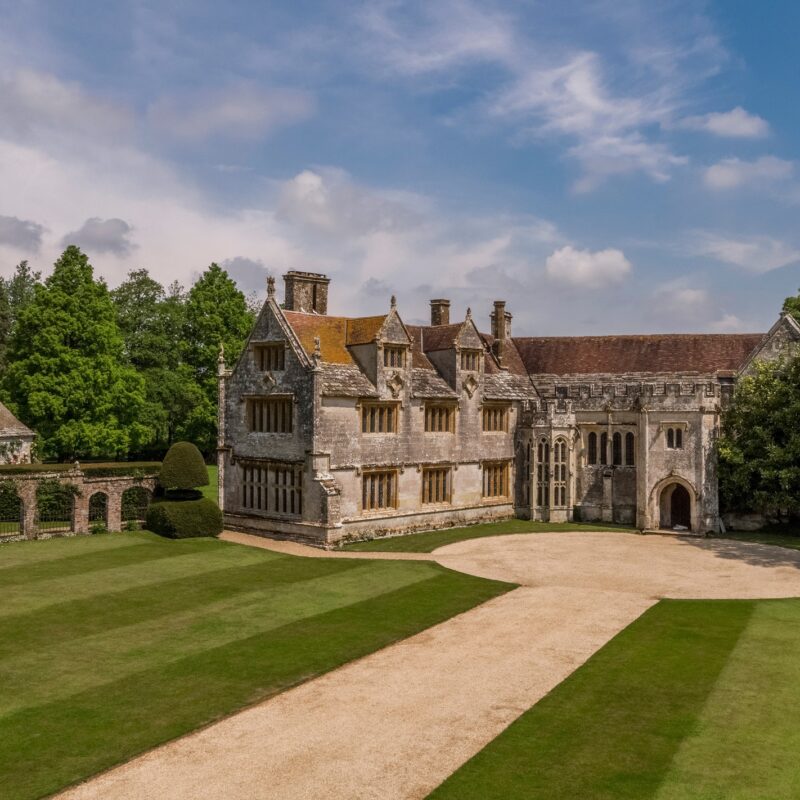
x=10, y=425
x=512, y=361
x=675, y=353
x=361, y=330
x=439, y=337
x=332, y=332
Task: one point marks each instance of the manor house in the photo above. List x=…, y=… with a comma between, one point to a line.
x=347, y=427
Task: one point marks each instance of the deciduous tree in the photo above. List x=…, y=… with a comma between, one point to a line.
x=216, y=313
x=67, y=378
x=759, y=450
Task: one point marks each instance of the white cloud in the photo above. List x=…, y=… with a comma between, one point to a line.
x=736, y=123
x=731, y=173
x=34, y=103
x=728, y=323
x=587, y=269
x=756, y=254
x=238, y=112
x=326, y=200
x=680, y=295
x=22, y=234
x=609, y=111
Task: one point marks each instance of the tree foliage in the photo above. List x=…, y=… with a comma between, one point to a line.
x=759, y=450
x=217, y=314
x=792, y=306
x=66, y=377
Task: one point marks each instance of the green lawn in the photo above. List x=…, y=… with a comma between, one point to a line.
x=428, y=541
x=114, y=643
x=210, y=491
x=696, y=700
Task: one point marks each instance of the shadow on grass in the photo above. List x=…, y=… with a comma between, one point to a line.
x=760, y=550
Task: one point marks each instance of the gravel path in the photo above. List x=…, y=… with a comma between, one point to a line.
x=396, y=723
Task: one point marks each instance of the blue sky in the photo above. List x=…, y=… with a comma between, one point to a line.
x=604, y=167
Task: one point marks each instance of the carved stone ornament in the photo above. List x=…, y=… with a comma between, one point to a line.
x=394, y=384
x=269, y=379
x=470, y=385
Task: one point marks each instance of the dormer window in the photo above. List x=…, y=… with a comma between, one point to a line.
x=271, y=357
x=469, y=360
x=394, y=356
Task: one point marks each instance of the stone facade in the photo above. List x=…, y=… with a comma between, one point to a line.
x=334, y=428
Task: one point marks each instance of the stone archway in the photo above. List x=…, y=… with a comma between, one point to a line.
x=675, y=506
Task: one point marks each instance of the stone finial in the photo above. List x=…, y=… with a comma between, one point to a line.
x=393, y=302
x=317, y=355
x=469, y=313
x=221, y=360
x=270, y=287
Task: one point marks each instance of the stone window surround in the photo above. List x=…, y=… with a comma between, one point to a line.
x=249, y=399
x=362, y=406
x=427, y=473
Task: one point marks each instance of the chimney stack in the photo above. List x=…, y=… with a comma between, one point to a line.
x=501, y=329
x=501, y=321
x=306, y=291
x=440, y=312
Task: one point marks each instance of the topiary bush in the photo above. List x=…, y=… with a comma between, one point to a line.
x=183, y=468
x=182, y=519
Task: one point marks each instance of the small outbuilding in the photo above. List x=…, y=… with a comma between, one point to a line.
x=16, y=439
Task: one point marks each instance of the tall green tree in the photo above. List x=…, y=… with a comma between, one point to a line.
x=216, y=313
x=759, y=450
x=22, y=289
x=67, y=378
x=5, y=325
x=151, y=322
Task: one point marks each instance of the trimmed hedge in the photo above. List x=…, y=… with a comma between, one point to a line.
x=108, y=469
x=183, y=467
x=183, y=519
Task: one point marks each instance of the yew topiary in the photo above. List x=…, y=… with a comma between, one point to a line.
x=183, y=519
x=183, y=468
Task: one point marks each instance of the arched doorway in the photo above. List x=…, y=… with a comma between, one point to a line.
x=676, y=507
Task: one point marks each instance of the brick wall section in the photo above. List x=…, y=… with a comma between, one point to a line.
x=113, y=487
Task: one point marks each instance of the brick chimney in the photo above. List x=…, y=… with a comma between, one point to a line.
x=440, y=312
x=306, y=291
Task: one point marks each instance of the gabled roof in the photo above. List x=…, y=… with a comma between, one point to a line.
x=362, y=330
x=11, y=426
x=660, y=353
x=332, y=333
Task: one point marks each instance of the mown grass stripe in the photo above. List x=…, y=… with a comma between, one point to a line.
x=746, y=739
x=84, y=563
x=88, y=616
x=185, y=562
x=101, y=727
x=77, y=664
x=610, y=730
x=15, y=554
